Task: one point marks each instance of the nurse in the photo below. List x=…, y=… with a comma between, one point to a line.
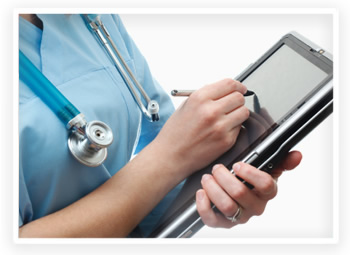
x=60, y=197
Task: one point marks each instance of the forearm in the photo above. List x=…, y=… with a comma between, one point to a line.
x=203, y=128
x=118, y=205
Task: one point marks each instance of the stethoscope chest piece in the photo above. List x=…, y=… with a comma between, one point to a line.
x=90, y=146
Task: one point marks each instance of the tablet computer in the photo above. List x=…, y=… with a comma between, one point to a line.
x=293, y=93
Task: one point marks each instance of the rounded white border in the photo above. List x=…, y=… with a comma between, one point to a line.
x=331, y=11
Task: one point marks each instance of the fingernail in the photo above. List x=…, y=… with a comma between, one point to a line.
x=205, y=177
x=236, y=167
x=216, y=167
x=200, y=195
x=245, y=89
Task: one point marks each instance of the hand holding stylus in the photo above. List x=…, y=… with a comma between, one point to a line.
x=206, y=125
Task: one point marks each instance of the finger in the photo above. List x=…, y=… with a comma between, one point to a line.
x=238, y=191
x=207, y=214
x=218, y=196
x=264, y=185
x=222, y=88
x=233, y=134
x=230, y=102
x=237, y=117
x=291, y=161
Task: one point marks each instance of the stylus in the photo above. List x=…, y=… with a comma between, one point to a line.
x=186, y=93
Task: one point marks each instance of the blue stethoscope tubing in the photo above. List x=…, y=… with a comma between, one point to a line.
x=46, y=91
x=88, y=141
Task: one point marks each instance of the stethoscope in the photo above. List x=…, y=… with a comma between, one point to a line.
x=88, y=141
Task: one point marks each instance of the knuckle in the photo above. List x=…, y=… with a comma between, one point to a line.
x=228, y=207
x=248, y=170
x=222, y=135
x=197, y=97
x=231, y=83
x=241, y=113
x=228, y=81
x=210, y=221
x=259, y=211
x=208, y=115
x=267, y=185
x=219, y=128
x=228, y=141
x=239, y=192
x=245, y=112
x=239, y=98
x=208, y=118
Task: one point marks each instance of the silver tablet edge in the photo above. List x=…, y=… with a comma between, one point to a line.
x=250, y=157
x=312, y=44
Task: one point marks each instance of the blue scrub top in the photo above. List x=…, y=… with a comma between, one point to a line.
x=68, y=54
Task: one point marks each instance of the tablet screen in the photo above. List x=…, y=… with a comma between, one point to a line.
x=283, y=79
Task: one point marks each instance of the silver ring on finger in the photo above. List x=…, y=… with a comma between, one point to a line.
x=236, y=216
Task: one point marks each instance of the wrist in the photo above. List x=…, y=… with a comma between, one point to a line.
x=165, y=158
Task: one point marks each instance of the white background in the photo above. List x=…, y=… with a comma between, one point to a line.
x=7, y=244
x=186, y=51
